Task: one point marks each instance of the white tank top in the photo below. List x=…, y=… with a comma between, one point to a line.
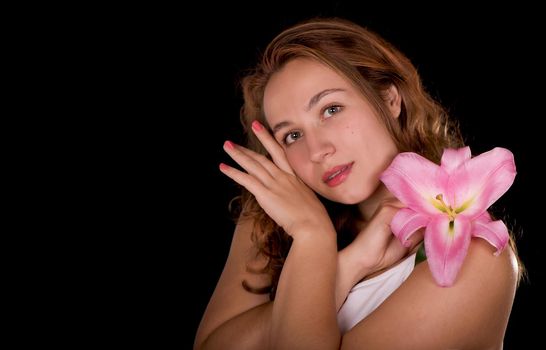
x=367, y=295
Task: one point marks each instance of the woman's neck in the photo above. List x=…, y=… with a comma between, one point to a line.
x=369, y=206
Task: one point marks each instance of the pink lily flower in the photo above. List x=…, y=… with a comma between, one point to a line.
x=451, y=201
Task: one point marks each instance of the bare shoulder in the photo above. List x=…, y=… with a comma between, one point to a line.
x=473, y=313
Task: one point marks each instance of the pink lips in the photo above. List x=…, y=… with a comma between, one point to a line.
x=337, y=175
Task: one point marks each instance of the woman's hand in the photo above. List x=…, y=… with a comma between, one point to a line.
x=376, y=248
x=282, y=195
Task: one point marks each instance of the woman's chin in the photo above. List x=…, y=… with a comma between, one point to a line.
x=347, y=199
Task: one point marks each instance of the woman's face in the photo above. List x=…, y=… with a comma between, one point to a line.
x=332, y=137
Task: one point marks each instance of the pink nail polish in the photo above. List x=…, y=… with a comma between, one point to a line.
x=224, y=167
x=257, y=126
x=229, y=145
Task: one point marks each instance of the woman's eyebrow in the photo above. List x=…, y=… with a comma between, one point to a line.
x=279, y=126
x=312, y=102
x=315, y=99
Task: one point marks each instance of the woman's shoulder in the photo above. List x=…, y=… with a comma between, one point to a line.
x=473, y=312
x=480, y=262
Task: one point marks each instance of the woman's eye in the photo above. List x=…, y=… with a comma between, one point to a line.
x=292, y=136
x=330, y=111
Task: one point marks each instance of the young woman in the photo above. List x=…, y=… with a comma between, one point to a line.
x=313, y=262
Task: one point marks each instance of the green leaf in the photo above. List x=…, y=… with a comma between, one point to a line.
x=421, y=254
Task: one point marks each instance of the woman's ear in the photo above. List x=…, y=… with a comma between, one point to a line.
x=394, y=101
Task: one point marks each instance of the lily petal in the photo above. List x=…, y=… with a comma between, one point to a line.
x=452, y=158
x=494, y=232
x=446, y=247
x=406, y=222
x=479, y=182
x=415, y=181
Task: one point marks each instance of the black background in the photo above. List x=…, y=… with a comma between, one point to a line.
x=483, y=65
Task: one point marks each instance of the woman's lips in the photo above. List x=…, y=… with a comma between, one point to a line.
x=337, y=175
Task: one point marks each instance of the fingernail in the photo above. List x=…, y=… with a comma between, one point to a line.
x=224, y=166
x=229, y=145
x=257, y=126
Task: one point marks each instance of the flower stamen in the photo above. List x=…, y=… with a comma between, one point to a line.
x=449, y=211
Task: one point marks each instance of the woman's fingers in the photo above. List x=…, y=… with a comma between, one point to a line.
x=247, y=181
x=259, y=165
x=271, y=145
x=271, y=167
x=288, y=201
x=415, y=240
x=249, y=161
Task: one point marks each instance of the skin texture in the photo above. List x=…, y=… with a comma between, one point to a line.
x=316, y=278
x=320, y=140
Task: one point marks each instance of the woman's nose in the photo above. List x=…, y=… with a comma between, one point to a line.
x=319, y=147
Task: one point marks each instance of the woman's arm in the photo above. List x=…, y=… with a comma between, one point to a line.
x=304, y=312
x=235, y=318
x=374, y=250
x=471, y=314
x=238, y=319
